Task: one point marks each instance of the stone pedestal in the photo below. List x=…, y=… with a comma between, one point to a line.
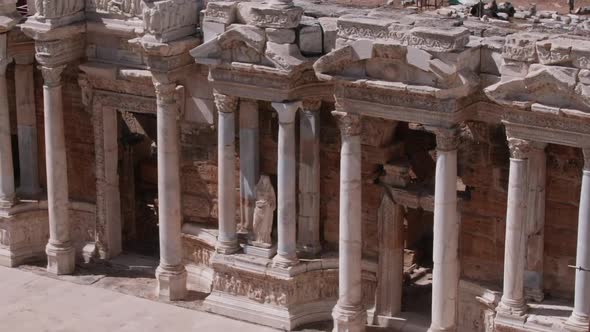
x=349, y=312
x=580, y=318
x=286, y=207
x=171, y=273
x=445, y=274
x=390, y=273
x=60, y=253
x=308, y=220
x=227, y=240
x=513, y=305
x=7, y=194
x=27, y=127
x=249, y=163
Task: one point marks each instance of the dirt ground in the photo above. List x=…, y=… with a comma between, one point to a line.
x=560, y=6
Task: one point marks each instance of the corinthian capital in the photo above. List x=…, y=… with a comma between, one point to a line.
x=519, y=148
x=349, y=123
x=586, y=159
x=52, y=75
x=165, y=92
x=446, y=138
x=225, y=103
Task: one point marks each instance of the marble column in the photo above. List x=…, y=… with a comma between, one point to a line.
x=286, y=174
x=227, y=240
x=308, y=220
x=27, y=127
x=249, y=163
x=60, y=252
x=7, y=194
x=513, y=305
x=445, y=273
x=349, y=312
x=580, y=319
x=533, y=275
x=171, y=273
x=390, y=273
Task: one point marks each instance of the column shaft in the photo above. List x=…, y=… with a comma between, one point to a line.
x=171, y=273
x=27, y=129
x=579, y=320
x=286, y=174
x=349, y=313
x=533, y=277
x=7, y=195
x=445, y=274
x=308, y=221
x=390, y=273
x=227, y=241
x=60, y=253
x=513, y=303
x=249, y=163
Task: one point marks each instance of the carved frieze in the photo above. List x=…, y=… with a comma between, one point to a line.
x=269, y=17
x=119, y=7
x=170, y=19
x=52, y=9
x=522, y=47
x=221, y=12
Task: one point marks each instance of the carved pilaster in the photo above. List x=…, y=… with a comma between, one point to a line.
x=52, y=75
x=87, y=92
x=349, y=123
x=519, y=148
x=225, y=103
x=586, y=159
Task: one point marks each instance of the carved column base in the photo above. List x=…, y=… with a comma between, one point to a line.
x=171, y=282
x=7, y=203
x=309, y=251
x=227, y=247
x=349, y=319
x=284, y=262
x=511, y=310
x=61, y=259
x=534, y=294
x=576, y=323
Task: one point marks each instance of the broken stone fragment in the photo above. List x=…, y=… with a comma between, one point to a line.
x=280, y=36
x=223, y=12
x=284, y=56
x=310, y=37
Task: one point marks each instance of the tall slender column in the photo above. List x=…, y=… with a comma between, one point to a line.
x=286, y=173
x=580, y=318
x=533, y=275
x=7, y=195
x=27, y=126
x=308, y=221
x=60, y=252
x=249, y=163
x=171, y=273
x=513, y=305
x=349, y=313
x=227, y=240
x=445, y=274
x=390, y=273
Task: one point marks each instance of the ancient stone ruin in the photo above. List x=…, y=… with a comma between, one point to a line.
x=304, y=161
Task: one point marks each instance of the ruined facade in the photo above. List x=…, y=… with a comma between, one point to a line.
x=304, y=162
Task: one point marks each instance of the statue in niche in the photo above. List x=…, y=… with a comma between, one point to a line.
x=266, y=204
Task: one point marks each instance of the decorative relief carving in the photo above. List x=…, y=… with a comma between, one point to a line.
x=349, y=123
x=119, y=7
x=161, y=17
x=52, y=75
x=225, y=103
x=51, y=9
x=519, y=148
x=59, y=51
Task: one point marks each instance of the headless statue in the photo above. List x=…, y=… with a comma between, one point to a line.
x=266, y=204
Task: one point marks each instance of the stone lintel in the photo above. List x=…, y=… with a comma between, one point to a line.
x=41, y=31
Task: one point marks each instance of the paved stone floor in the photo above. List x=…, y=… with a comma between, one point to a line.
x=33, y=302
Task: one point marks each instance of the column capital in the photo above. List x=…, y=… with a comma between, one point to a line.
x=447, y=139
x=311, y=105
x=225, y=103
x=287, y=111
x=349, y=123
x=52, y=75
x=519, y=148
x=586, y=152
x=165, y=92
